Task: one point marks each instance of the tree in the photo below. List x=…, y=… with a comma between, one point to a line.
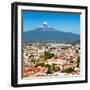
x=77, y=51
x=78, y=61
x=40, y=64
x=69, y=70
x=33, y=60
x=49, y=69
x=48, y=55
x=55, y=67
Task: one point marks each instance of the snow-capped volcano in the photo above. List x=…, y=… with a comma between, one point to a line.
x=48, y=33
x=44, y=25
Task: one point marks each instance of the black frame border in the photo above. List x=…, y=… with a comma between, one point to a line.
x=14, y=43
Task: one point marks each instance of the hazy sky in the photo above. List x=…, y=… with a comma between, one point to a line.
x=66, y=22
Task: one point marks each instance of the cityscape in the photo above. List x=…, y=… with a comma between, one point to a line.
x=50, y=44
x=51, y=59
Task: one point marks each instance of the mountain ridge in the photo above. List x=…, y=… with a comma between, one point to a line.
x=49, y=34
